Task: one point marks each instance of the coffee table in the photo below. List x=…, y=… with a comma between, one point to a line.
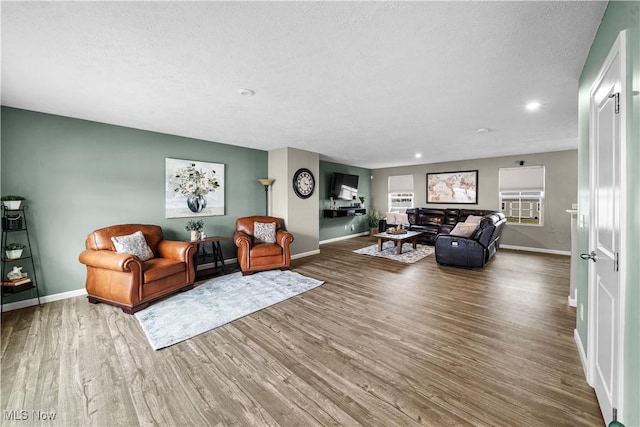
x=409, y=236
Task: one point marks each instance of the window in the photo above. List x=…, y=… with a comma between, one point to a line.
x=400, y=193
x=522, y=194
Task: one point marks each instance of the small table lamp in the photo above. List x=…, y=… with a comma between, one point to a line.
x=267, y=183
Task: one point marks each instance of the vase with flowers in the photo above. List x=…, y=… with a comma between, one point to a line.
x=195, y=184
x=195, y=227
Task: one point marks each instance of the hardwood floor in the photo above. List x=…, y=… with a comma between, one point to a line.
x=379, y=344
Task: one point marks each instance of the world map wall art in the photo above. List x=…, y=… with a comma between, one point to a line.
x=453, y=187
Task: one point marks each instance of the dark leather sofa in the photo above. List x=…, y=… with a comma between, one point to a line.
x=433, y=222
x=468, y=252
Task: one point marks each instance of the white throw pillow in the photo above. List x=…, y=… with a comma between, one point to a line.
x=134, y=244
x=474, y=219
x=464, y=230
x=264, y=232
x=402, y=218
x=391, y=218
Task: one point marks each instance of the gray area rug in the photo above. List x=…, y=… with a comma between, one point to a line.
x=408, y=255
x=217, y=302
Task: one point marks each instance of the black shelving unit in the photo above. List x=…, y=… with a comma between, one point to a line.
x=14, y=225
x=342, y=212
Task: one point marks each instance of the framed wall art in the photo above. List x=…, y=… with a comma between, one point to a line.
x=193, y=188
x=453, y=187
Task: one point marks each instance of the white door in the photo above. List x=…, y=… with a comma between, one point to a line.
x=606, y=292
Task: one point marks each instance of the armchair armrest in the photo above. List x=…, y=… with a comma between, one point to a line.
x=459, y=251
x=283, y=238
x=109, y=260
x=242, y=239
x=179, y=251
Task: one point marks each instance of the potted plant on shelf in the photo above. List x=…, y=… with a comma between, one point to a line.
x=12, y=201
x=373, y=218
x=195, y=227
x=14, y=250
x=362, y=198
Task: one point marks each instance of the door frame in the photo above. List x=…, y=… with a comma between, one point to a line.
x=618, y=49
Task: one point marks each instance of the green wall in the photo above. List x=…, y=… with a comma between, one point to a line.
x=333, y=228
x=618, y=16
x=78, y=176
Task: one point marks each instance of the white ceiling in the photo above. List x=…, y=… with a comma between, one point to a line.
x=362, y=83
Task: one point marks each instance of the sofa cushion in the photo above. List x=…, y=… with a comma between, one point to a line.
x=402, y=218
x=159, y=268
x=473, y=219
x=265, y=249
x=264, y=232
x=463, y=229
x=397, y=218
x=133, y=244
x=391, y=218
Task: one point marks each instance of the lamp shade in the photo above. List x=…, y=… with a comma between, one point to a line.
x=266, y=181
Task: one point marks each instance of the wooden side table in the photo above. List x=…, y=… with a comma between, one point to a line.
x=216, y=251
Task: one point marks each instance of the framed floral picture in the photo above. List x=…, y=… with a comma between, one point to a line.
x=453, y=187
x=193, y=188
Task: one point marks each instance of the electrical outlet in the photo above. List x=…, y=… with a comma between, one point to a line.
x=346, y=227
x=581, y=313
x=352, y=227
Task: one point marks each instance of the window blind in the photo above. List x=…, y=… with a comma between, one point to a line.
x=401, y=184
x=522, y=179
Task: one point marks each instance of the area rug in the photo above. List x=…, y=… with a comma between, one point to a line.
x=217, y=302
x=408, y=255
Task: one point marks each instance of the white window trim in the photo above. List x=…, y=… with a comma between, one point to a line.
x=521, y=185
x=521, y=197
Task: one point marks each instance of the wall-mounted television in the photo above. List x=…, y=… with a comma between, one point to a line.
x=344, y=186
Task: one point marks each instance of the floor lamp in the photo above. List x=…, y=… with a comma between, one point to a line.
x=267, y=183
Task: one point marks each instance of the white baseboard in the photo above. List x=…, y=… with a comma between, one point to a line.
x=350, y=236
x=541, y=250
x=45, y=299
x=583, y=356
x=304, y=254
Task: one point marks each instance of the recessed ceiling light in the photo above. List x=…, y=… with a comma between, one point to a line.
x=532, y=106
x=246, y=92
x=418, y=155
x=483, y=130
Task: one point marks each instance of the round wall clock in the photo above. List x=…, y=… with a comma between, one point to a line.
x=303, y=183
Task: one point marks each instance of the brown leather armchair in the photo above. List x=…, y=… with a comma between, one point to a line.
x=124, y=280
x=254, y=256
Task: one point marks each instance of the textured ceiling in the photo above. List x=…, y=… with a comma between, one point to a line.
x=362, y=83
